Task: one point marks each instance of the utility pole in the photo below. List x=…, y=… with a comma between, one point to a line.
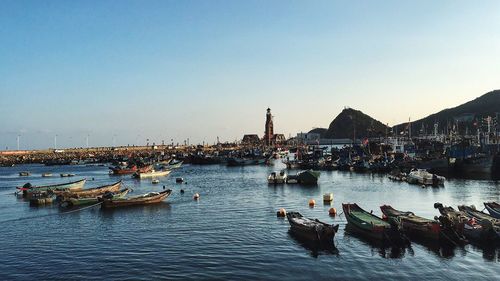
x=18, y=136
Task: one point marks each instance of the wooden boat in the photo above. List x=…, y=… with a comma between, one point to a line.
x=70, y=186
x=123, y=170
x=487, y=222
x=174, y=164
x=365, y=223
x=311, y=229
x=145, y=199
x=71, y=202
x=413, y=225
x=91, y=192
x=493, y=208
x=245, y=161
x=308, y=177
x=152, y=173
x=463, y=223
x=372, y=227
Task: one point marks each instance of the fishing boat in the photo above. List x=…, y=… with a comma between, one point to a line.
x=152, y=173
x=71, y=202
x=233, y=161
x=46, y=175
x=422, y=177
x=70, y=186
x=91, y=192
x=371, y=226
x=24, y=174
x=144, y=199
x=486, y=221
x=311, y=229
x=175, y=164
x=493, y=208
x=308, y=177
x=415, y=226
x=463, y=223
x=277, y=177
x=67, y=175
x=121, y=170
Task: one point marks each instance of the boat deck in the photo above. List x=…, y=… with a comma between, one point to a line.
x=366, y=217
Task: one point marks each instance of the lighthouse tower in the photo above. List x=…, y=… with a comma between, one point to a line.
x=269, y=130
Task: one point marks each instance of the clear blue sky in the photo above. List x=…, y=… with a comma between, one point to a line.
x=133, y=70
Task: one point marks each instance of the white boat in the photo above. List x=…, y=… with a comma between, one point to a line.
x=155, y=181
x=45, y=175
x=277, y=177
x=153, y=173
x=421, y=176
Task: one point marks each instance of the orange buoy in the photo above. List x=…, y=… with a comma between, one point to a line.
x=332, y=212
x=312, y=203
x=196, y=196
x=281, y=213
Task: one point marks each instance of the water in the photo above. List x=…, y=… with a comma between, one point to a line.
x=232, y=232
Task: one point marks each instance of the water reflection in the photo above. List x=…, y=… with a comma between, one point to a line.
x=315, y=248
x=383, y=249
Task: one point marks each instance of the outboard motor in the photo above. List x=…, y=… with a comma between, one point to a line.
x=108, y=195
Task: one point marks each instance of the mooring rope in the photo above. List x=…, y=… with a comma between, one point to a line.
x=53, y=214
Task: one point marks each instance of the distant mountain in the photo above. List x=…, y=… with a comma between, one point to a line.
x=350, y=120
x=468, y=115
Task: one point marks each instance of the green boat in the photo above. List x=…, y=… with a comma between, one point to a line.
x=308, y=177
x=71, y=202
x=365, y=223
x=372, y=227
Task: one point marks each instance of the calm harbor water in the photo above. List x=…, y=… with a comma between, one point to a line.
x=232, y=232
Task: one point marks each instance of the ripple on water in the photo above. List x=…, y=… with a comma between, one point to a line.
x=232, y=232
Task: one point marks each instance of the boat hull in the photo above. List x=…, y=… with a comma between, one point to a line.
x=136, y=201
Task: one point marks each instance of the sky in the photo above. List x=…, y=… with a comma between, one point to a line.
x=125, y=72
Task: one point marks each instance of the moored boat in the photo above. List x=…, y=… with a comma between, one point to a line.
x=486, y=221
x=277, y=177
x=423, y=177
x=493, y=208
x=91, y=192
x=311, y=229
x=308, y=177
x=145, y=199
x=70, y=186
x=70, y=202
x=46, y=175
x=371, y=226
x=24, y=174
x=464, y=224
x=419, y=227
x=152, y=173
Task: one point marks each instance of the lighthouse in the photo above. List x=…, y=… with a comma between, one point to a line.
x=269, y=131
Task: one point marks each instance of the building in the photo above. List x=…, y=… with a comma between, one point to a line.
x=269, y=129
x=250, y=139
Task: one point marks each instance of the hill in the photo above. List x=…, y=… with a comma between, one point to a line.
x=350, y=120
x=465, y=116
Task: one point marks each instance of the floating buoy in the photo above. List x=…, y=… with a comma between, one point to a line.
x=182, y=191
x=328, y=198
x=281, y=213
x=196, y=196
x=312, y=203
x=332, y=212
